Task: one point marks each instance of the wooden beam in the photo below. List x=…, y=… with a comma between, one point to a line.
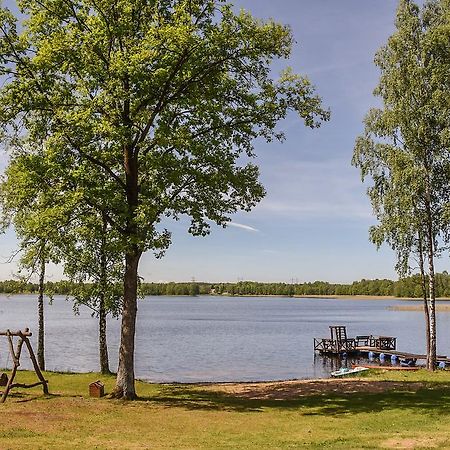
x=28, y=386
x=19, y=333
x=36, y=365
x=14, y=371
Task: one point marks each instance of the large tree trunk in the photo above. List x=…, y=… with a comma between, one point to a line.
x=125, y=374
x=41, y=331
x=423, y=279
x=125, y=387
x=103, y=343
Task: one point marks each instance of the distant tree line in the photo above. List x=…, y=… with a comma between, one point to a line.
x=410, y=287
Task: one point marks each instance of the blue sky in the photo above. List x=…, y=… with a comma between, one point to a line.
x=313, y=223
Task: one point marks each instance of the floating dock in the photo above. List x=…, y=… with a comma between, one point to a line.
x=368, y=345
x=338, y=342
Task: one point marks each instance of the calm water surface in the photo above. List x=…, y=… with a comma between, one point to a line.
x=189, y=339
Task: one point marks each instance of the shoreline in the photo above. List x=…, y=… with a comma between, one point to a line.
x=326, y=297
x=226, y=385
x=311, y=296
x=374, y=381
x=369, y=297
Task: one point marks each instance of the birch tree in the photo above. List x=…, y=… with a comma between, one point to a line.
x=405, y=147
x=93, y=262
x=54, y=226
x=30, y=207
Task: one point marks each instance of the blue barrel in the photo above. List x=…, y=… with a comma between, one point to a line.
x=382, y=355
x=441, y=365
x=371, y=355
x=394, y=359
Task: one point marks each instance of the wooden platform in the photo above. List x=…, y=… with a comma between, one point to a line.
x=375, y=366
x=405, y=355
x=338, y=342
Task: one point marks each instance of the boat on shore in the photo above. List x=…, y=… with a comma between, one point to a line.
x=344, y=371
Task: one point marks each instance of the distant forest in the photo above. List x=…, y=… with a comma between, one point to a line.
x=406, y=287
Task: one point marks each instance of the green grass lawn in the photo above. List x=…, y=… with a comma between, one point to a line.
x=411, y=411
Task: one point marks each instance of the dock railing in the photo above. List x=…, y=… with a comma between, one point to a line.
x=363, y=341
x=339, y=343
x=377, y=342
x=334, y=346
x=384, y=342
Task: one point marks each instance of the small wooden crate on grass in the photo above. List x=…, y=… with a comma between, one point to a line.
x=97, y=389
x=3, y=379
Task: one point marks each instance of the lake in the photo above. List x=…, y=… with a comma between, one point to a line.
x=192, y=339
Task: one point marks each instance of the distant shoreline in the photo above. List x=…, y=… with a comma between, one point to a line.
x=439, y=308
x=379, y=289
x=332, y=297
x=313, y=296
x=368, y=297
x=316, y=296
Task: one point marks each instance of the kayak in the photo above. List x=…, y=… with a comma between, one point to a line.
x=344, y=371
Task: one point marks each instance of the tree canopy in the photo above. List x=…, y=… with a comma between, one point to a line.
x=148, y=109
x=405, y=147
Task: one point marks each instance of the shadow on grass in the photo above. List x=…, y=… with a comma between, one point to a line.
x=313, y=398
x=25, y=397
x=435, y=401
x=194, y=398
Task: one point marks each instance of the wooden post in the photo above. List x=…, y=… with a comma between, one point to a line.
x=11, y=349
x=36, y=365
x=16, y=357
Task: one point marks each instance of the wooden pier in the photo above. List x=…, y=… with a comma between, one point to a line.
x=364, y=351
x=340, y=343
x=337, y=344
x=368, y=345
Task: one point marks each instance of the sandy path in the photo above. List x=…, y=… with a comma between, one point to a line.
x=297, y=388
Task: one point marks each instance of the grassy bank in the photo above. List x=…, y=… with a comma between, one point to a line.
x=384, y=410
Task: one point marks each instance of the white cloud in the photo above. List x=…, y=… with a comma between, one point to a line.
x=242, y=226
x=315, y=189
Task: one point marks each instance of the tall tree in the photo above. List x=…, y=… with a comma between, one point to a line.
x=162, y=99
x=405, y=145
x=28, y=205
x=53, y=226
x=93, y=261
x=34, y=259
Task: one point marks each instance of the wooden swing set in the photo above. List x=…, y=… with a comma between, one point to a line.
x=8, y=383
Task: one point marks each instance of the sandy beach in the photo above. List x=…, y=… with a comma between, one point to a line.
x=285, y=390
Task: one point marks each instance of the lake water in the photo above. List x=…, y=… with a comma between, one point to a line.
x=191, y=339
